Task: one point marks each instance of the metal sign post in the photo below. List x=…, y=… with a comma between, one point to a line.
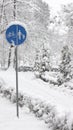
x=16, y=34
x=16, y=52
x=17, y=103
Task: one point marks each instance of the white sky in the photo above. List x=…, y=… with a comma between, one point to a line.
x=55, y=4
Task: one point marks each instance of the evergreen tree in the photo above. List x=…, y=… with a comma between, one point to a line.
x=45, y=60
x=65, y=66
x=37, y=61
x=42, y=62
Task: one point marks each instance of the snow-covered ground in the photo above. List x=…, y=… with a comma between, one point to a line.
x=9, y=121
x=36, y=88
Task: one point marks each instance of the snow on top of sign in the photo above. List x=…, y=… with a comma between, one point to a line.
x=16, y=22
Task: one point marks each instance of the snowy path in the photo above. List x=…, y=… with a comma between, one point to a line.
x=36, y=88
x=9, y=121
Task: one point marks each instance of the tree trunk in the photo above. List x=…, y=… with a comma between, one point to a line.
x=11, y=59
x=11, y=56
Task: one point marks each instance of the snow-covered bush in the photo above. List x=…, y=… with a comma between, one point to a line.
x=60, y=124
x=40, y=109
x=72, y=126
x=20, y=98
x=7, y=93
x=68, y=85
x=13, y=97
x=25, y=68
x=2, y=89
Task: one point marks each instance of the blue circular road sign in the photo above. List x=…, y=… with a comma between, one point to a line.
x=16, y=34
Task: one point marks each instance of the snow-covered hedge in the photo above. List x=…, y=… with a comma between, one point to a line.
x=25, y=68
x=40, y=109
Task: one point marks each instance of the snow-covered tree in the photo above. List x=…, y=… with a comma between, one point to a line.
x=42, y=62
x=34, y=14
x=65, y=66
x=37, y=61
x=67, y=16
x=45, y=60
